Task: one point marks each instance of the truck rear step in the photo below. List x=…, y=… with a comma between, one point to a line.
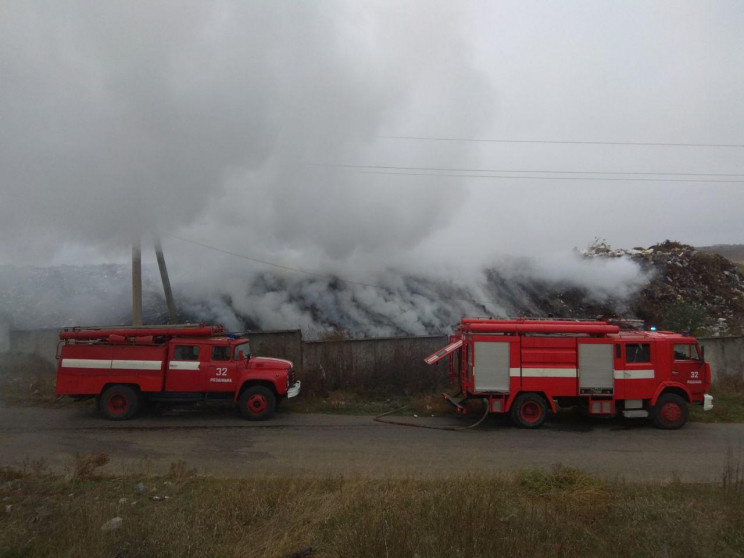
x=456, y=401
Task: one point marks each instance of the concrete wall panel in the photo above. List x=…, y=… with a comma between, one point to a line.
x=725, y=355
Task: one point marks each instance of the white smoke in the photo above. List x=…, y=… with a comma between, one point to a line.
x=225, y=122
x=120, y=119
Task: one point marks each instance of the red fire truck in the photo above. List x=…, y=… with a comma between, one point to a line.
x=529, y=367
x=126, y=367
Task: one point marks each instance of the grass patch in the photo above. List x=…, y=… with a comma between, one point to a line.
x=346, y=402
x=560, y=512
x=728, y=402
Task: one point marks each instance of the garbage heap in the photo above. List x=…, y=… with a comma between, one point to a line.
x=690, y=290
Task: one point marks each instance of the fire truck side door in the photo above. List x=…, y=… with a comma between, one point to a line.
x=183, y=368
x=491, y=366
x=638, y=371
x=218, y=370
x=687, y=366
x=596, y=367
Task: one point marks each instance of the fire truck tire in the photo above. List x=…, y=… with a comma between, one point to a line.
x=670, y=412
x=119, y=402
x=257, y=403
x=529, y=410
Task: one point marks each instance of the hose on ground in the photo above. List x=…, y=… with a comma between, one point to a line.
x=379, y=418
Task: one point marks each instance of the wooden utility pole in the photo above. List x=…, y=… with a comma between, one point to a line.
x=172, y=315
x=136, y=283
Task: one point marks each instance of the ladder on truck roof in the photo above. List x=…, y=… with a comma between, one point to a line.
x=183, y=330
x=538, y=326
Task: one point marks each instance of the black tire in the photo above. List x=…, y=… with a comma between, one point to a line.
x=670, y=412
x=529, y=410
x=257, y=403
x=119, y=402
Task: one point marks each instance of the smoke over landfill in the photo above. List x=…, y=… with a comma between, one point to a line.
x=396, y=304
x=334, y=162
x=216, y=118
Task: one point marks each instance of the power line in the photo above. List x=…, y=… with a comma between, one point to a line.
x=458, y=170
x=637, y=143
x=582, y=178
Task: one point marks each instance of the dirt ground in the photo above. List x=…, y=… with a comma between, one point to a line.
x=216, y=441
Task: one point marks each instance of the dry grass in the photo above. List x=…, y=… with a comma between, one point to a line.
x=86, y=465
x=561, y=512
x=728, y=401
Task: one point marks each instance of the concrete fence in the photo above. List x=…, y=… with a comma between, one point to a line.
x=41, y=342
x=725, y=355
x=391, y=364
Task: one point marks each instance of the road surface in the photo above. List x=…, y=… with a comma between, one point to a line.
x=217, y=442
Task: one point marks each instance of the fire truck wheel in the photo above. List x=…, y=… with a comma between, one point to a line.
x=257, y=403
x=670, y=412
x=529, y=410
x=119, y=403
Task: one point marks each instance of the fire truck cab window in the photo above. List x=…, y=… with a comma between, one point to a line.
x=186, y=352
x=638, y=352
x=244, y=349
x=220, y=353
x=686, y=352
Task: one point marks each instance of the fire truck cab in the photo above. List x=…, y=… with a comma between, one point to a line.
x=125, y=368
x=530, y=367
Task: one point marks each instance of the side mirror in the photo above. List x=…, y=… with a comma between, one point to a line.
x=702, y=353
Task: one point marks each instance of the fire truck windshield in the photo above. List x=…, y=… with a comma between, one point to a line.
x=686, y=352
x=244, y=348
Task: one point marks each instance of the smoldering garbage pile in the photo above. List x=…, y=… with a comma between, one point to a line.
x=689, y=290
x=670, y=285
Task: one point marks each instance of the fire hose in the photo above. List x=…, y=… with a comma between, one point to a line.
x=379, y=418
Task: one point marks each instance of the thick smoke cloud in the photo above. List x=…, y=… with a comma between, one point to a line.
x=122, y=117
x=397, y=303
x=225, y=122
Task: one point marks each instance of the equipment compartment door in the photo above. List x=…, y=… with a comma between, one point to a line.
x=491, y=367
x=596, y=368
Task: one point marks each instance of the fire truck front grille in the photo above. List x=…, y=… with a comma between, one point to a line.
x=292, y=377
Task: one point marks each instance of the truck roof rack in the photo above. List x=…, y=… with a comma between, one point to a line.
x=538, y=326
x=181, y=330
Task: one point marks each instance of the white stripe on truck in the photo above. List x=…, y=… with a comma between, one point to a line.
x=634, y=374
x=137, y=364
x=548, y=372
x=112, y=364
x=85, y=363
x=183, y=365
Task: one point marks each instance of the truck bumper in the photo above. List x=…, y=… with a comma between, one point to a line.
x=294, y=389
x=707, y=402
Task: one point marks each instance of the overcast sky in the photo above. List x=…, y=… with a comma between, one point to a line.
x=282, y=131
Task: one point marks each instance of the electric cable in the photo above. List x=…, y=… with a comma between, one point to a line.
x=564, y=178
x=568, y=142
x=458, y=170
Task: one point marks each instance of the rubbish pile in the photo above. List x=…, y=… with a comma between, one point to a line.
x=690, y=289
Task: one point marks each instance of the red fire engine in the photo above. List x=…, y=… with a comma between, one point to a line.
x=127, y=367
x=528, y=367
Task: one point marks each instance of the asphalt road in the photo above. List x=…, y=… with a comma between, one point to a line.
x=217, y=442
